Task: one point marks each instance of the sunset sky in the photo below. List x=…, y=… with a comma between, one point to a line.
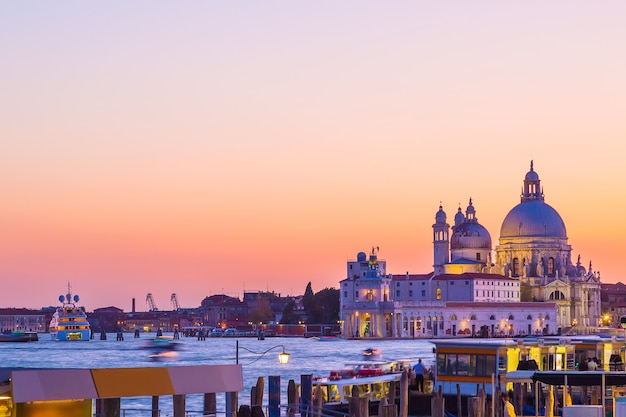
x=201, y=148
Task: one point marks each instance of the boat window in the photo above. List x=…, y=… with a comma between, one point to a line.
x=465, y=364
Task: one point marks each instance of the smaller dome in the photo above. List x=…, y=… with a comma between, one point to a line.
x=470, y=235
x=361, y=257
x=440, y=216
x=531, y=176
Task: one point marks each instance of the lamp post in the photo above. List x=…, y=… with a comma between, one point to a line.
x=283, y=357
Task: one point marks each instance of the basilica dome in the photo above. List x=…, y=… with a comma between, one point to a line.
x=533, y=218
x=470, y=236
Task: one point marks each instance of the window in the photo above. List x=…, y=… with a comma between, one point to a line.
x=492, y=317
x=466, y=282
x=410, y=293
x=511, y=317
x=453, y=317
x=345, y=293
x=370, y=295
x=451, y=282
x=515, y=267
x=356, y=295
x=438, y=293
x=478, y=256
x=423, y=293
x=551, y=266
x=398, y=293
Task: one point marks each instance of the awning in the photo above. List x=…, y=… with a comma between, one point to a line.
x=580, y=378
x=520, y=377
x=73, y=384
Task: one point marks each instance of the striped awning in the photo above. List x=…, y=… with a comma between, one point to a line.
x=72, y=384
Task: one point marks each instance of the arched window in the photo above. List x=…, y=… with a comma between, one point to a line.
x=438, y=293
x=453, y=317
x=557, y=295
x=511, y=317
x=405, y=324
x=441, y=322
x=515, y=267
x=550, y=266
x=473, y=317
x=547, y=317
x=370, y=295
x=529, y=317
x=492, y=317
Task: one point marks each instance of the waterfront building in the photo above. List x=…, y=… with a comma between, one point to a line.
x=23, y=320
x=530, y=288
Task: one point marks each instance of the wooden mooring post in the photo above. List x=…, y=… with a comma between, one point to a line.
x=459, y=403
x=274, y=396
x=155, y=406
x=306, y=394
x=358, y=407
x=292, y=399
x=111, y=407
x=210, y=404
x=404, y=394
x=178, y=403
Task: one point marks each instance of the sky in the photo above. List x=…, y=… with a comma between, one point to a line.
x=202, y=148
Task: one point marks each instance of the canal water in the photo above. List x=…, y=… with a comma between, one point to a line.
x=308, y=356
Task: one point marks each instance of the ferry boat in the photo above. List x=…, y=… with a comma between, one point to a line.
x=69, y=322
x=372, y=379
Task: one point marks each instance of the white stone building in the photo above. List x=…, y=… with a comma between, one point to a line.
x=531, y=288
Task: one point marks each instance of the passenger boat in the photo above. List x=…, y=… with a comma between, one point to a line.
x=371, y=378
x=19, y=337
x=69, y=322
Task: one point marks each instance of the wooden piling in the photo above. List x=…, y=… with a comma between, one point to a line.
x=260, y=388
x=459, y=405
x=111, y=407
x=253, y=396
x=178, y=402
x=257, y=411
x=155, y=406
x=292, y=400
x=404, y=394
x=244, y=411
x=358, y=407
x=210, y=404
x=318, y=401
x=390, y=410
x=474, y=407
x=306, y=393
x=392, y=392
x=437, y=406
x=274, y=396
x=383, y=402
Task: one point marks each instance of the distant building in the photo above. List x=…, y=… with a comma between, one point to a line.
x=109, y=319
x=22, y=319
x=223, y=311
x=532, y=276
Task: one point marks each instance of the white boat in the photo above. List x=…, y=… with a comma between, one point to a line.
x=372, y=379
x=69, y=322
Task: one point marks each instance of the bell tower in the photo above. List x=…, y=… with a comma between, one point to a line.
x=441, y=241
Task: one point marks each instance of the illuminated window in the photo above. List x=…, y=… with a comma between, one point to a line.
x=515, y=267
x=438, y=293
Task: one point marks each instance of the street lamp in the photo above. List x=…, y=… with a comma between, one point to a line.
x=283, y=357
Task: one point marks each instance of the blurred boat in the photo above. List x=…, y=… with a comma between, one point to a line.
x=372, y=354
x=19, y=337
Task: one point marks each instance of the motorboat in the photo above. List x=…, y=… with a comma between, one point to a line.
x=162, y=348
x=371, y=354
x=69, y=322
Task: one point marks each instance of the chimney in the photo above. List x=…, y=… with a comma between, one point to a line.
x=133, y=308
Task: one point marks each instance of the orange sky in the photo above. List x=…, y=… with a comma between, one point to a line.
x=212, y=148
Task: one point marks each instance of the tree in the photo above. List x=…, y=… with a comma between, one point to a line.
x=325, y=307
x=308, y=302
x=262, y=312
x=288, y=316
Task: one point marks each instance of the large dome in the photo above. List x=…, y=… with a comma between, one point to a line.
x=533, y=218
x=470, y=235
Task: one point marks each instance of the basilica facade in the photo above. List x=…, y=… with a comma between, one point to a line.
x=530, y=287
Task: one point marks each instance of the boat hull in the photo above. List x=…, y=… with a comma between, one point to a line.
x=74, y=335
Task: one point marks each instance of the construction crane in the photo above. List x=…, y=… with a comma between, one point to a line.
x=174, y=300
x=151, y=304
